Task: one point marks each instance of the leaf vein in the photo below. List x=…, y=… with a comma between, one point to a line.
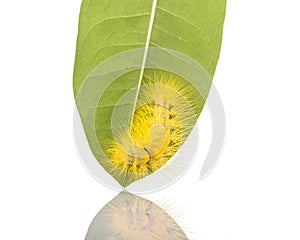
x=185, y=20
x=111, y=18
x=118, y=45
x=173, y=35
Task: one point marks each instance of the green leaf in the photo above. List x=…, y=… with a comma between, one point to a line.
x=178, y=33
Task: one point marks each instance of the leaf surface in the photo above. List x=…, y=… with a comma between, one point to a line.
x=192, y=28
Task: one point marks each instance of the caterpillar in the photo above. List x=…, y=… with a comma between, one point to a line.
x=160, y=124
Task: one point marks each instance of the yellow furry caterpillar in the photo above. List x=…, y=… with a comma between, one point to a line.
x=163, y=119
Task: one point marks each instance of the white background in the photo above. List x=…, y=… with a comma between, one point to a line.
x=253, y=193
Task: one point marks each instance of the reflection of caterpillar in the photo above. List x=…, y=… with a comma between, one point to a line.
x=133, y=218
x=162, y=121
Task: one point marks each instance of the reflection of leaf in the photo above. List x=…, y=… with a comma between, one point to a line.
x=131, y=217
x=106, y=28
